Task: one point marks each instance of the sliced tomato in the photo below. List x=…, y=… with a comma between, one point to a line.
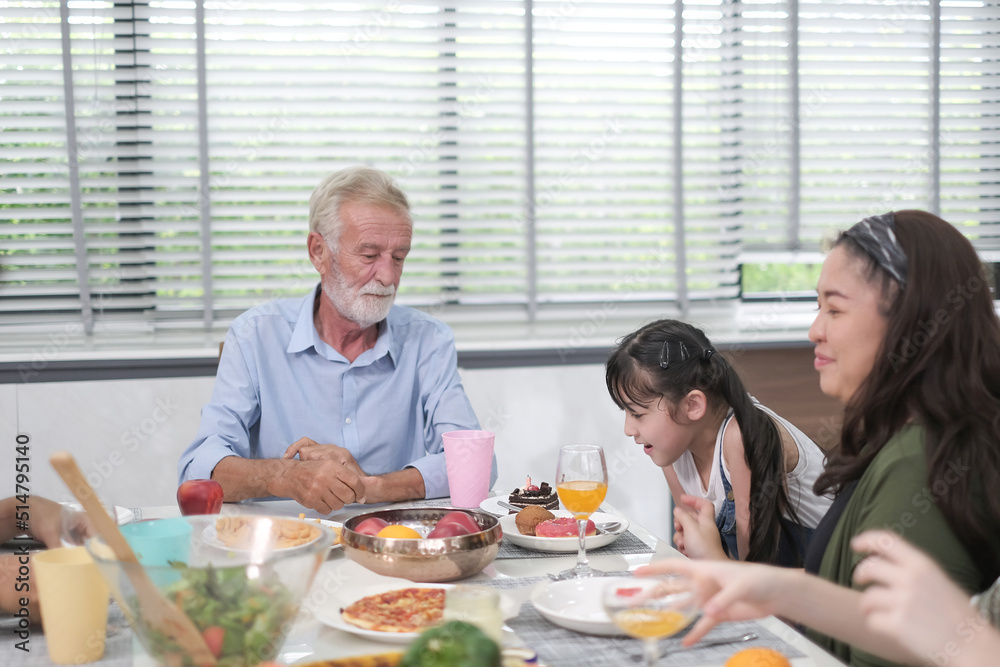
x=214, y=636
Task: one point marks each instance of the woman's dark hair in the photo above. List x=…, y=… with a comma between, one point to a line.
x=635, y=374
x=939, y=365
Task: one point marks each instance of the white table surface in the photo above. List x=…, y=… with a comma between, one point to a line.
x=311, y=640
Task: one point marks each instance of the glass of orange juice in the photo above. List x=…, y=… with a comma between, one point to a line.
x=650, y=608
x=582, y=483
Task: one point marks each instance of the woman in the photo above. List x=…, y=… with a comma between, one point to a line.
x=736, y=469
x=907, y=337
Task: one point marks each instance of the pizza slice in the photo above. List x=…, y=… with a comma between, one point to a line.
x=401, y=610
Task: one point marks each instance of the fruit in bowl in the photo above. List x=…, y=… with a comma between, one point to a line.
x=454, y=524
x=440, y=556
x=242, y=601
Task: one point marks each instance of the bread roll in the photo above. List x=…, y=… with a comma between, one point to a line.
x=531, y=516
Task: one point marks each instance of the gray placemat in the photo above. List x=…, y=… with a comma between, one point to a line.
x=626, y=544
x=117, y=645
x=432, y=502
x=557, y=646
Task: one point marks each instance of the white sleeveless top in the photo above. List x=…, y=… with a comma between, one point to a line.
x=809, y=507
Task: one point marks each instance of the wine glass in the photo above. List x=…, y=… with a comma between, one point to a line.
x=650, y=608
x=582, y=483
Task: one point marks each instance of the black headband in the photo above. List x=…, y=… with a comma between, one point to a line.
x=877, y=237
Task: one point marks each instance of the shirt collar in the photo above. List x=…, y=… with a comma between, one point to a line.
x=304, y=335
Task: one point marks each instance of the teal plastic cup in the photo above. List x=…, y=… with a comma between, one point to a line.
x=159, y=543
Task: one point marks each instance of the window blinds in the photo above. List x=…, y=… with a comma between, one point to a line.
x=645, y=147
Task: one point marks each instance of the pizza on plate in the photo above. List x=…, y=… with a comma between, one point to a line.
x=401, y=610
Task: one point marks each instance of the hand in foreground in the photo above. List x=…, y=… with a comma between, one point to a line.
x=45, y=522
x=909, y=598
x=325, y=478
x=697, y=536
x=725, y=591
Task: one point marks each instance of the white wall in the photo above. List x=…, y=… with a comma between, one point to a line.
x=534, y=411
x=128, y=434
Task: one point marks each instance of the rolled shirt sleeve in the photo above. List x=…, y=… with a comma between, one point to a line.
x=227, y=418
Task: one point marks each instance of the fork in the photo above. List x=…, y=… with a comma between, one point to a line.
x=748, y=637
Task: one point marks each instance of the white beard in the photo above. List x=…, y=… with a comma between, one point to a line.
x=352, y=303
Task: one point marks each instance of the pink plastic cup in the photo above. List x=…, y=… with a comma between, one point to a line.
x=468, y=456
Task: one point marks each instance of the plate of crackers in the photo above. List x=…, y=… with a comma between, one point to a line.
x=393, y=613
x=235, y=533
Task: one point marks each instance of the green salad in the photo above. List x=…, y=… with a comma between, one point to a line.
x=240, y=619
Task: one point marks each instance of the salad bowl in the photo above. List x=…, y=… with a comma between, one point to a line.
x=242, y=601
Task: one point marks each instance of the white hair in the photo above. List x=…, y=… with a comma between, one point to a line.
x=354, y=184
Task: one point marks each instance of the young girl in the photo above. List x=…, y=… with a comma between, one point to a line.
x=741, y=476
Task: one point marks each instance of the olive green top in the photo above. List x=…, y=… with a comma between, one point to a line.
x=893, y=494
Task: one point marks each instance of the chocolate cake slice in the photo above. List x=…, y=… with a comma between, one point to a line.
x=543, y=496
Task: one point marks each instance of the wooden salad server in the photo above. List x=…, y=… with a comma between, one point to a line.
x=157, y=610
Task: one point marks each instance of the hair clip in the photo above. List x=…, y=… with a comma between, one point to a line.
x=706, y=355
x=680, y=353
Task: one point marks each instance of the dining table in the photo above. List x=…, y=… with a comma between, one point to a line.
x=516, y=573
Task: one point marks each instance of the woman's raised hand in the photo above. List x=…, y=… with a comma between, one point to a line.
x=727, y=590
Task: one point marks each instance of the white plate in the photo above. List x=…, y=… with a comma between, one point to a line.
x=330, y=524
x=330, y=613
x=124, y=515
x=562, y=544
x=492, y=505
x=210, y=537
x=575, y=604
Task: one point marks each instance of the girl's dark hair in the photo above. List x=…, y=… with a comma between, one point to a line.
x=939, y=365
x=635, y=375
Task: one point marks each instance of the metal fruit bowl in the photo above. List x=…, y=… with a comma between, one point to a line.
x=427, y=560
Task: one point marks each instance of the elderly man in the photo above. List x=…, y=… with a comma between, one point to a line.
x=338, y=397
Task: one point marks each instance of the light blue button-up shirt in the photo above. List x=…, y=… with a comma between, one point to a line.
x=278, y=381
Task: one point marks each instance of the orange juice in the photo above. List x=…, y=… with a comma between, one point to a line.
x=651, y=623
x=582, y=498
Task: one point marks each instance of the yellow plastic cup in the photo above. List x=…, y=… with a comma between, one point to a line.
x=73, y=599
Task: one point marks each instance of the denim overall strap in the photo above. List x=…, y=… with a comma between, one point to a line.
x=726, y=519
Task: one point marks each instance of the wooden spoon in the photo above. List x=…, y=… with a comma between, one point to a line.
x=159, y=612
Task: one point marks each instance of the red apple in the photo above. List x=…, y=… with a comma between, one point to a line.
x=451, y=529
x=371, y=526
x=199, y=496
x=460, y=519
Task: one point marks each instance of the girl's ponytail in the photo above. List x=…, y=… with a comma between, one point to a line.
x=764, y=455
